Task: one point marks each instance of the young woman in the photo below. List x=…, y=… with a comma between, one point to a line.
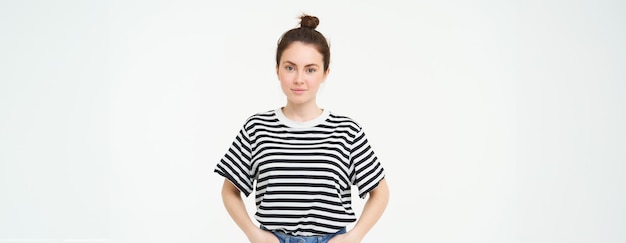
x=304, y=158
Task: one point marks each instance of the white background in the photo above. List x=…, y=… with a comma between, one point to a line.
x=497, y=121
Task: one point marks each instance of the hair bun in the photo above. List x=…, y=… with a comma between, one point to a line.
x=308, y=21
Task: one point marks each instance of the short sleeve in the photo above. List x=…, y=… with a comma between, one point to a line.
x=367, y=170
x=236, y=166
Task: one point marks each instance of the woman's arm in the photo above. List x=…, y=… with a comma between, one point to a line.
x=372, y=211
x=237, y=211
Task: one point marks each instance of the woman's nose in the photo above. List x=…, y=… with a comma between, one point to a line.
x=299, y=78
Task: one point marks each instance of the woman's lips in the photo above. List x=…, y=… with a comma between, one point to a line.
x=298, y=91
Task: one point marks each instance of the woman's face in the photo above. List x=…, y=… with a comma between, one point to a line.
x=301, y=71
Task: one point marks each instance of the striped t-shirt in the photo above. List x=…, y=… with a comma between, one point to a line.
x=303, y=170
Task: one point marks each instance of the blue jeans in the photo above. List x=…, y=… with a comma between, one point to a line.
x=286, y=238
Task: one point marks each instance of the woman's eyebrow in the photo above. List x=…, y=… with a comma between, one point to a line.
x=290, y=63
x=308, y=65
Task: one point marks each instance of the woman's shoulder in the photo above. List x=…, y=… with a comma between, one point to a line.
x=267, y=115
x=342, y=118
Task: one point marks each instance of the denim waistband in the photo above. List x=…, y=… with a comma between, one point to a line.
x=285, y=237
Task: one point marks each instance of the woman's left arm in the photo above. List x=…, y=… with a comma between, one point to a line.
x=372, y=211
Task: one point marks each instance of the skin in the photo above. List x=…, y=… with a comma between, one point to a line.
x=301, y=72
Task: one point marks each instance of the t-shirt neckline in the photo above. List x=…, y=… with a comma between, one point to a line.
x=305, y=124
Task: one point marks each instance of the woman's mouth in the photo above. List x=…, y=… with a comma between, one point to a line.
x=298, y=91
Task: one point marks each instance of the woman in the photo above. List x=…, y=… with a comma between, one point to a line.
x=303, y=158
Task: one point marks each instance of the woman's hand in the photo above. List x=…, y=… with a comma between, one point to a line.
x=373, y=209
x=263, y=236
x=345, y=238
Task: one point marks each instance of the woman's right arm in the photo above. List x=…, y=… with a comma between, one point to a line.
x=237, y=211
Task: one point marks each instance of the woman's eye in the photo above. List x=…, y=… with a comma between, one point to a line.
x=289, y=68
x=311, y=70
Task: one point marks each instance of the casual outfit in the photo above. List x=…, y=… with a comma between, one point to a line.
x=303, y=172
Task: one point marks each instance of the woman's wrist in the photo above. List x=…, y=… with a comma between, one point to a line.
x=356, y=234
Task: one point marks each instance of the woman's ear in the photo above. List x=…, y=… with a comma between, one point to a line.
x=325, y=75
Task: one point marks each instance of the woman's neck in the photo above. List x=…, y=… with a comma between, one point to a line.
x=301, y=113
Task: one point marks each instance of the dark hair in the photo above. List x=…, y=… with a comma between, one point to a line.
x=307, y=34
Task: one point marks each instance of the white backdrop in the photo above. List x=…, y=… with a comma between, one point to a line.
x=497, y=121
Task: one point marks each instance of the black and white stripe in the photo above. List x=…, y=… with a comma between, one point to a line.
x=303, y=171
